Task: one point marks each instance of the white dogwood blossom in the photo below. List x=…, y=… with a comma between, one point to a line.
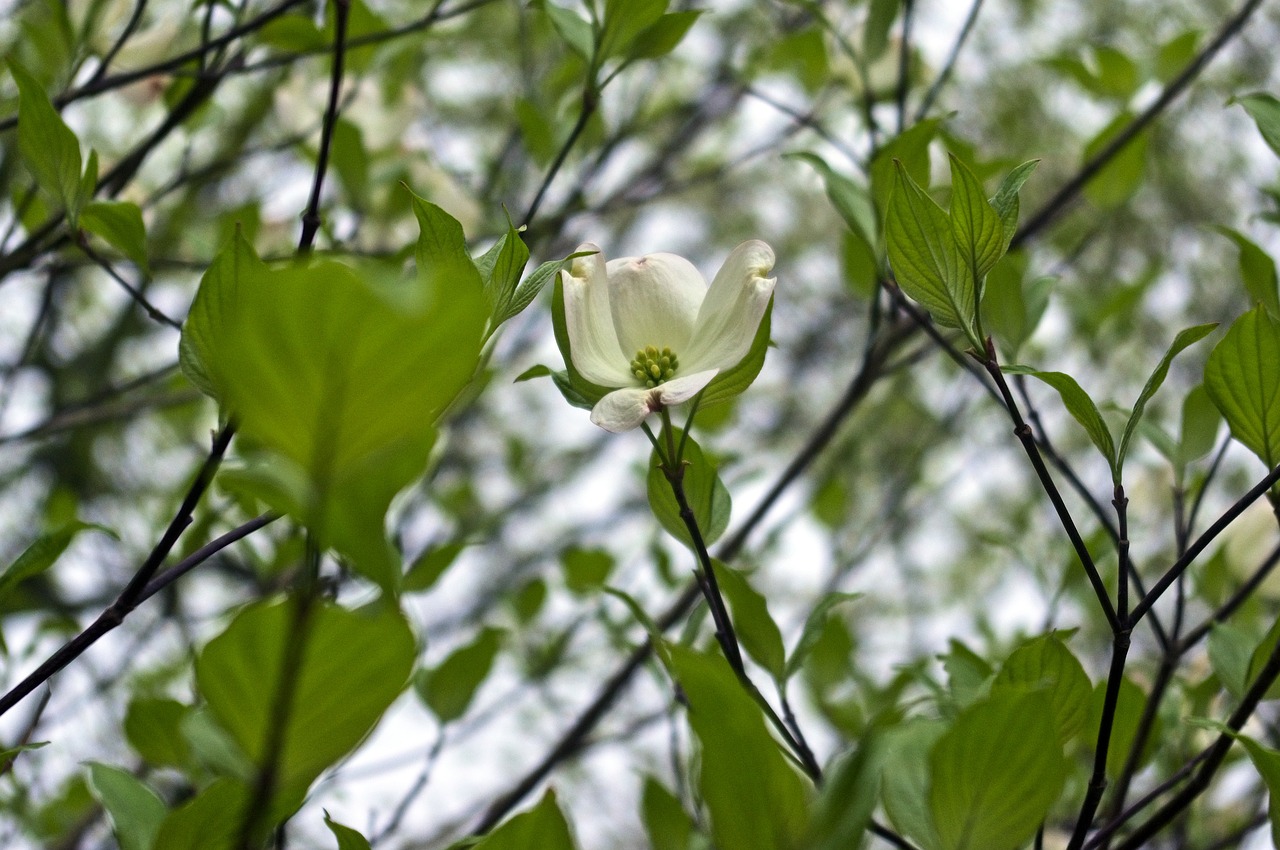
x=651, y=327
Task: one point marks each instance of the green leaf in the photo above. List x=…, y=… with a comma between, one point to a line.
x=925, y=258
x=8, y=754
x=666, y=823
x=444, y=264
x=1184, y=339
x=996, y=772
x=847, y=799
x=1267, y=762
x=875, y=32
x=120, y=224
x=47, y=145
x=212, y=819
x=152, y=726
x=575, y=31
x=975, y=224
x=1116, y=181
x=755, y=799
x=1175, y=54
x=43, y=552
x=968, y=674
x=1006, y=200
x=1261, y=652
x=535, y=371
x=500, y=271
x=586, y=570
x=624, y=21
x=352, y=665
x=1044, y=664
x=1264, y=109
x=542, y=827
x=812, y=632
x=350, y=161
x=732, y=382
x=663, y=35
x=1081, y=408
x=1124, y=727
x=1230, y=652
x=1118, y=75
x=136, y=811
x=348, y=838
x=1200, y=421
x=342, y=374
x=704, y=491
x=429, y=566
x=851, y=201
x=524, y=294
x=1011, y=306
x=1257, y=270
x=1242, y=376
x=449, y=688
x=911, y=149
x=904, y=779
x=756, y=629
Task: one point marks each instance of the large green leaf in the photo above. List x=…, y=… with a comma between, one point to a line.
x=904, y=779
x=703, y=490
x=754, y=797
x=1045, y=664
x=1184, y=339
x=136, y=811
x=925, y=259
x=352, y=665
x=996, y=772
x=1242, y=376
x=213, y=818
x=342, y=374
x=542, y=827
x=848, y=796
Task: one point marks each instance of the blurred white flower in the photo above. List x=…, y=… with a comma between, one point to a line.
x=651, y=327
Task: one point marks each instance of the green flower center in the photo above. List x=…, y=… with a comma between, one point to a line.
x=654, y=367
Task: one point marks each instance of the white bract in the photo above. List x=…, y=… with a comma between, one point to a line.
x=652, y=328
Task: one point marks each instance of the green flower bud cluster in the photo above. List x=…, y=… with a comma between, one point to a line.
x=653, y=366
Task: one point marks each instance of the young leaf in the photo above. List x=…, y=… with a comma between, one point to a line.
x=573, y=30
x=1264, y=109
x=1242, y=376
x=1082, y=409
x=47, y=145
x=586, y=570
x=1006, y=200
x=1045, y=664
x=353, y=665
x=754, y=797
x=925, y=258
x=625, y=20
x=1184, y=339
x=703, y=489
x=136, y=811
x=756, y=628
x=850, y=200
x=976, y=225
x=449, y=688
x=996, y=772
x=153, y=727
x=542, y=827
x=1230, y=652
x=968, y=674
x=1257, y=270
x=428, y=567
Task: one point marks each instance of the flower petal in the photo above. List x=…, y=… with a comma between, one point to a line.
x=592, y=342
x=683, y=388
x=730, y=315
x=655, y=301
x=622, y=410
